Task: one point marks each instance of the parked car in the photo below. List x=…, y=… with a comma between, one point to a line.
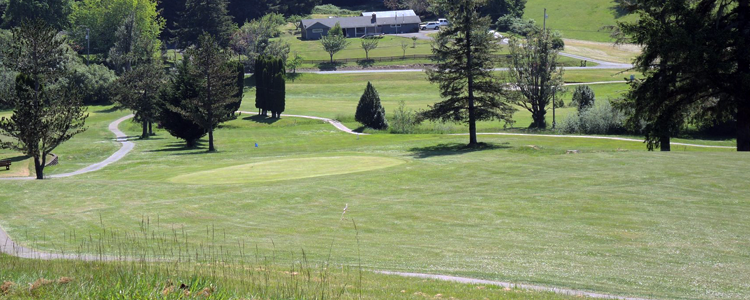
x=431, y=26
x=443, y=22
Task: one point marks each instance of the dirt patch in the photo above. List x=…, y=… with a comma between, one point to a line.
x=624, y=53
x=5, y=288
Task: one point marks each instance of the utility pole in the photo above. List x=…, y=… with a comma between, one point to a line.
x=88, y=46
x=545, y=20
x=554, y=91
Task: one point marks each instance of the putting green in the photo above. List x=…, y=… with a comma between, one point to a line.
x=288, y=169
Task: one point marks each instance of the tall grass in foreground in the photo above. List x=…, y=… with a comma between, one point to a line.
x=159, y=263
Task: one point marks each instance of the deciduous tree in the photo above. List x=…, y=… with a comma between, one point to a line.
x=138, y=90
x=534, y=75
x=464, y=60
x=369, y=44
x=335, y=41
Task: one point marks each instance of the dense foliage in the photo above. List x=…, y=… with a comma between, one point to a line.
x=583, y=97
x=370, y=112
x=45, y=112
x=205, y=16
x=53, y=12
x=183, y=86
x=104, y=17
x=270, y=81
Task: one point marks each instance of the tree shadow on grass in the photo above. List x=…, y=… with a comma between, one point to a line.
x=293, y=76
x=366, y=63
x=182, y=147
x=15, y=159
x=328, y=66
x=453, y=149
x=261, y=119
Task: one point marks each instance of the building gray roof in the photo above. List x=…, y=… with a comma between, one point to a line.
x=390, y=14
x=351, y=22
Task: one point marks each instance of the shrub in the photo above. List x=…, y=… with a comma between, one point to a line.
x=515, y=25
x=583, y=97
x=404, y=120
x=370, y=112
x=94, y=82
x=330, y=9
x=602, y=118
x=557, y=41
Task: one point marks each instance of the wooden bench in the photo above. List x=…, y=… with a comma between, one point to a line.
x=5, y=163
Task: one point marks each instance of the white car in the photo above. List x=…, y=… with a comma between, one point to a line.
x=443, y=22
x=431, y=26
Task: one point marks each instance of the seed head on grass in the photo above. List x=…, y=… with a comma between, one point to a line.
x=5, y=288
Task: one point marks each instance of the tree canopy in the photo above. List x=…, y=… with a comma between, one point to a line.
x=53, y=12
x=204, y=16
x=104, y=17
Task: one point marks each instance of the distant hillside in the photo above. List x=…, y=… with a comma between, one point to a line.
x=576, y=19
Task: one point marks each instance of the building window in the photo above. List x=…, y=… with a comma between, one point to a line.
x=395, y=25
x=317, y=30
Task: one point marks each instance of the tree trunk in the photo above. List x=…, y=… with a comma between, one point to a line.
x=331, y=58
x=39, y=168
x=472, y=110
x=191, y=143
x=743, y=128
x=144, y=134
x=150, y=129
x=211, y=140
x=664, y=143
x=539, y=119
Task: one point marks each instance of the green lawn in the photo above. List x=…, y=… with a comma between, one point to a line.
x=614, y=219
x=336, y=96
x=577, y=19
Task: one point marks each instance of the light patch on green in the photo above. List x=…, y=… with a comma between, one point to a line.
x=288, y=169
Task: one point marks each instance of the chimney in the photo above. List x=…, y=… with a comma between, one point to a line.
x=374, y=19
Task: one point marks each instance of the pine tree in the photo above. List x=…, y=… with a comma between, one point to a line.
x=205, y=16
x=370, y=112
x=217, y=87
x=139, y=90
x=183, y=86
x=464, y=56
x=43, y=117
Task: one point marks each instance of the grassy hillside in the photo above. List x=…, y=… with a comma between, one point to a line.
x=576, y=19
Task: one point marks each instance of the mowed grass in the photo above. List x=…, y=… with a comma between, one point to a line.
x=288, y=169
x=336, y=96
x=577, y=19
x=613, y=219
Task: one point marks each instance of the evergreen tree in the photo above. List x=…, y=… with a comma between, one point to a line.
x=279, y=89
x=464, y=56
x=260, y=85
x=583, y=97
x=139, y=91
x=53, y=12
x=217, y=87
x=239, y=70
x=270, y=85
x=44, y=115
x=696, y=54
x=370, y=112
x=183, y=86
x=205, y=16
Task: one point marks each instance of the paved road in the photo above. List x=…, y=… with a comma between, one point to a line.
x=120, y=137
